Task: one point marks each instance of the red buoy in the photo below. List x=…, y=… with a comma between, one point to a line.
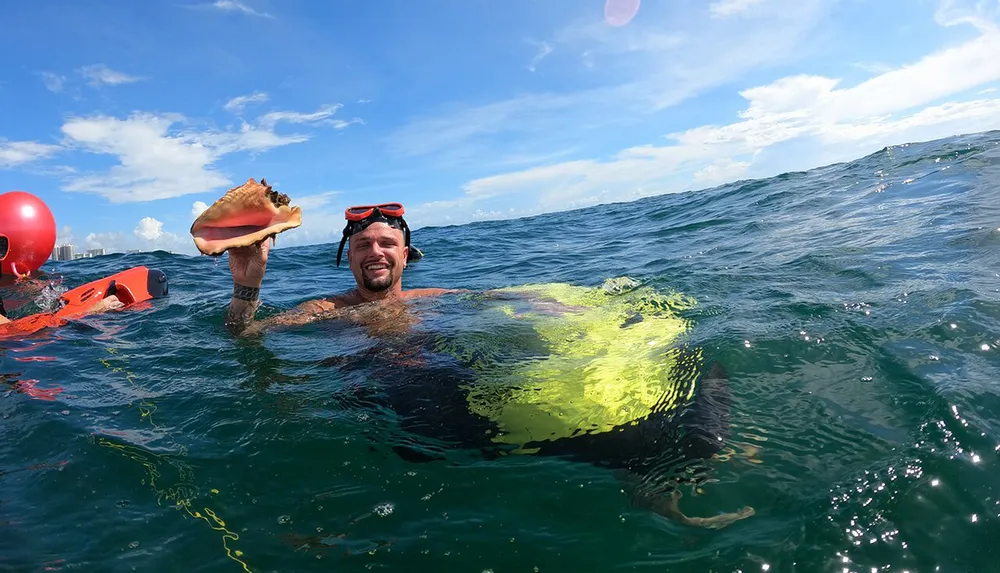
x=30, y=229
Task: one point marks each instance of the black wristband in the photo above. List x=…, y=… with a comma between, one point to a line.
x=246, y=293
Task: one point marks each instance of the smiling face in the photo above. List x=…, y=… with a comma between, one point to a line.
x=377, y=257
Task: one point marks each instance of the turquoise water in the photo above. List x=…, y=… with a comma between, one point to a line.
x=854, y=306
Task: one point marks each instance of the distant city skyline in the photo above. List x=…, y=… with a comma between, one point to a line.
x=66, y=252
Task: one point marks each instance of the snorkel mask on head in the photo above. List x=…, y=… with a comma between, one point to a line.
x=359, y=218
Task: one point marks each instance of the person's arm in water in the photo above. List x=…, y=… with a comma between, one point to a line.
x=248, y=265
x=3, y=311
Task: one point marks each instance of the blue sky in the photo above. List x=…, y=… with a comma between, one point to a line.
x=127, y=118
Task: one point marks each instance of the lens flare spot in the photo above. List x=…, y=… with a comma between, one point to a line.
x=620, y=12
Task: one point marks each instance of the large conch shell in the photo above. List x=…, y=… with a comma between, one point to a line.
x=244, y=216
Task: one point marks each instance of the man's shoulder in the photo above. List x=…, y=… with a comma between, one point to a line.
x=419, y=292
x=325, y=304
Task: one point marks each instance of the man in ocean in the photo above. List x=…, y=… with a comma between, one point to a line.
x=378, y=251
x=377, y=254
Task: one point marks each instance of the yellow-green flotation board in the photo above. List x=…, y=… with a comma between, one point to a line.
x=613, y=357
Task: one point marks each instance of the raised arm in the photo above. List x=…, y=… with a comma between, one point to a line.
x=248, y=265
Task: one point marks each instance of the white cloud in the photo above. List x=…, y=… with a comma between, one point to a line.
x=237, y=104
x=149, y=229
x=157, y=161
x=101, y=74
x=65, y=235
x=726, y=8
x=720, y=171
x=235, y=6
x=148, y=235
x=197, y=208
x=154, y=164
x=108, y=241
x=903, y=104
x=15, y=153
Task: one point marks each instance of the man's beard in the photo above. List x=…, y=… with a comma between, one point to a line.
x=376, y=285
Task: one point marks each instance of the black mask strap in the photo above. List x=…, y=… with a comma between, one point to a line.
x=340, y=251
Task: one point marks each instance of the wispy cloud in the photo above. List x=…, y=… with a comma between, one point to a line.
x=235, y=6
x=269, y=120
x=727, y=8
x=158, y=161
x=53, y=82
x=452, y=130
x=544, y=49
x=981, y=15
x=237, y=104
x=16, y=153
x=872, y=67
x=100, y=74
x=643, y=71
x=95, y=76
x=315, y=202
x=810, y=110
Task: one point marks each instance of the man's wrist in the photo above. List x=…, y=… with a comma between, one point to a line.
x=246, y=293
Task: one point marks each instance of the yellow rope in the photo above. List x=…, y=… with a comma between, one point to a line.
x=179, y=495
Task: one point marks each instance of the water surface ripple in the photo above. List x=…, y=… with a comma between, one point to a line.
x=855, y=307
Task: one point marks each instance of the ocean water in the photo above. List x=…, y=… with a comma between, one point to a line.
x=855, y=307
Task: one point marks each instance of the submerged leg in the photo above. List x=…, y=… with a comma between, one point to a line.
x=665, y=502
x=667, y=506
x=705, y=428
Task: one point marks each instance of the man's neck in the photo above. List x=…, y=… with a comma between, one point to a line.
x=362, y=295
x=372, y=296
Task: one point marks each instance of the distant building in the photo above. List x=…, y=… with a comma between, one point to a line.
x=63, y=253
x=67, y=253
